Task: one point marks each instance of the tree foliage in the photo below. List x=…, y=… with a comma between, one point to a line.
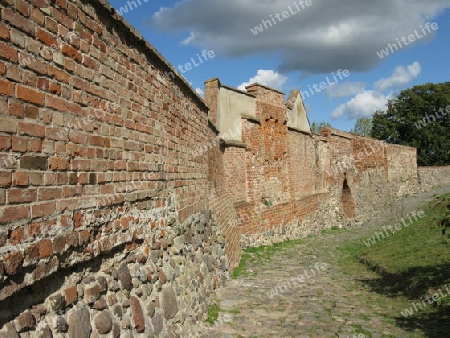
x=418, y=117
x=363, y=126
x=316, y=127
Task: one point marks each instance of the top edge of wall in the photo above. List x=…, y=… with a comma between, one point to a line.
x=105, y=5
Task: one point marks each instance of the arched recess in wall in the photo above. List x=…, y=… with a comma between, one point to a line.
x=348, y=204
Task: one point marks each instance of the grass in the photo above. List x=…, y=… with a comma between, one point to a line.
x=259, y=255
x=359, y=329
x=214, y=311
x=412, y=263
x=417, y=255
x=213, y=314
x=333, y=230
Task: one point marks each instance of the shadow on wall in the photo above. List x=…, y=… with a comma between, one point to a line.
x=348, y=204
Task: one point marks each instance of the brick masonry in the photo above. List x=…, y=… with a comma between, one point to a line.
x=122, y=204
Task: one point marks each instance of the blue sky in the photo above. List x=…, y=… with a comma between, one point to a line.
x=301, y=43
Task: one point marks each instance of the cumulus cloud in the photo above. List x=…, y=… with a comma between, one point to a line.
x=402, y=75
x=367, y=102
x=362, y=105
x=267, y=78
x=345, y=89
x=326, y=36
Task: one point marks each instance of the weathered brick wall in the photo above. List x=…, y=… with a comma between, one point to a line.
x=106, y=213
x=370, y=173
x=430, y=177
x=306, y=164
x=372, y=154
x=235, y=173
x=278, y=176
x=221, y=204
x=122, y=207
x=285, y=180
x=265, y=162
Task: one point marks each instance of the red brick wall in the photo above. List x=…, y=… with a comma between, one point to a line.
x=97, y=139
x=369, y=153
x=305, y=165
x=283, y=168
x=235, y=173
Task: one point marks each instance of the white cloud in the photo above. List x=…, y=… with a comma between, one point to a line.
x=402, y=75
x=326, y=36
x=366, y=103
x=362, y=105
x=345, y=89
x=200, y=91
x=267, y=78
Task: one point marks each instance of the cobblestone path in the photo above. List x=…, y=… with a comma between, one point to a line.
x=331, y=302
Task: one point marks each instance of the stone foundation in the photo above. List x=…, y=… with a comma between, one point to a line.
x=158, y=289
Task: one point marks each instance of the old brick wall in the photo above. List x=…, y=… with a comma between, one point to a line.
x=265, y=162
x=357, y=172
x=123, y=205
x=234, y=159
x=307, y=160
x=281, y=178
x=430, y=177
x=369, y=173
x=108, y=219
x=276, y=175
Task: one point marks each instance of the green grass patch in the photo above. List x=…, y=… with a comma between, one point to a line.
x=415, y=258
x=420, y=244
x=443, y=301
x=333, y=230
x=233, y=311
x=359, y=329
x=352, y=251
x=258, y=255
x=411, y=264
x=213, y=314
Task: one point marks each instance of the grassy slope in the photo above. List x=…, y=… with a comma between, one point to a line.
x=412, y=263
x=416, y=258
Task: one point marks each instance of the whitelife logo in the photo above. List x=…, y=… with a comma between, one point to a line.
x=323, y=85
x=130, y=6
x=433, y=118
x=430, y=299
x=206, y=55
x=280, y=17
x=280, y=288
x=391, y=48
x=393, y=229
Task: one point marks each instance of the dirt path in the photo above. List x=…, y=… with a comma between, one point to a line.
x=303, y=291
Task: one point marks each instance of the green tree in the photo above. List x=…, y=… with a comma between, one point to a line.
x=316, y=127
x=363, y=127
x=418, y=117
